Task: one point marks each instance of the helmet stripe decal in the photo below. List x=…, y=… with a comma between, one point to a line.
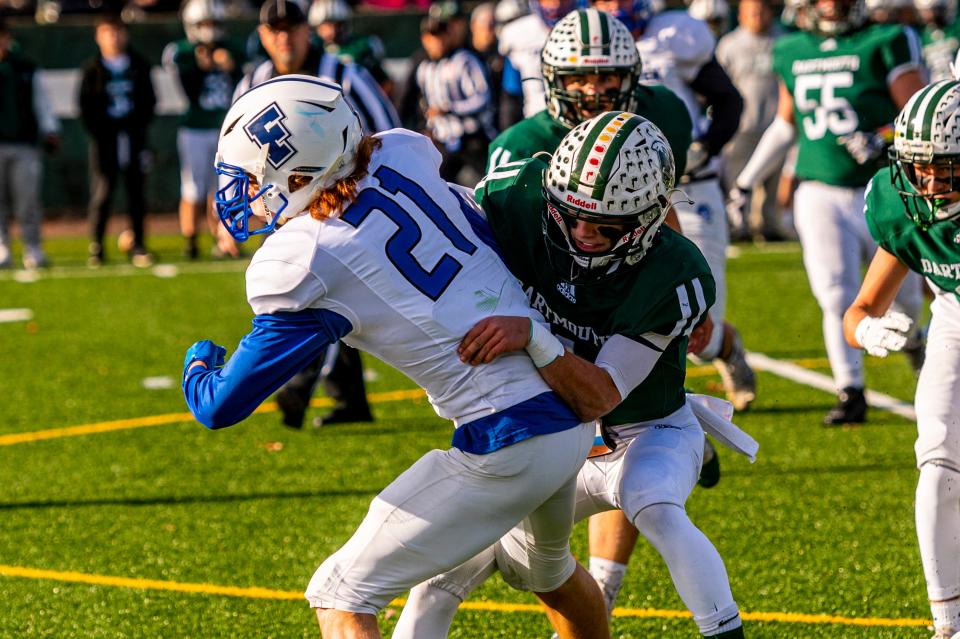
x=582, y=171
x=606, y=168
x=931, y=109
x=584, y=21
x=915, y=123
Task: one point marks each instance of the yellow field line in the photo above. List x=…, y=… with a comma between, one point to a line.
x=173, y=418
x=488, y=606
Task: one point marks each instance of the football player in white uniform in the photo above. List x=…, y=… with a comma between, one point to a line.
x=923, y=181
x=676, y=50
x=521, y=42
x=370, y=246
x=842, y=82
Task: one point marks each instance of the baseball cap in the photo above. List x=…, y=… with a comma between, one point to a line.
x=281, y=13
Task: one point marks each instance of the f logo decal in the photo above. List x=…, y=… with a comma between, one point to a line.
x=267, y=129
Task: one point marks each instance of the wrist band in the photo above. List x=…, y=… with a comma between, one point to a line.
x=543, y=347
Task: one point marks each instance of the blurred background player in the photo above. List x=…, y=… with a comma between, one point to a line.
x=677, y=51
x=746, y=54
x=456, y=102
x=208, y=71
x=27, y=122
x=940, y=36
x=116, y=106
x=625, y=295
x=286, y=37
x=842, y=82
x=923, y=181
x=521, y=42
x=716, y=13
x=890, y=11
x=331, y=21
x=484, y=43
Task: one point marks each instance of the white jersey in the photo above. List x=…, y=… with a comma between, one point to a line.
x=521, y=42
x=673, y=48
x=405, y=265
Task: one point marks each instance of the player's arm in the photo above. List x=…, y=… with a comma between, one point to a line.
x=726, y=105
x=278, y=347
x=903, y=86
x=868, y=324
x=591, y=389
x=773, y=145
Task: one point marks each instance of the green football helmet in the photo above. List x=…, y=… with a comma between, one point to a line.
x=615, y=170
x=927, y=135
x=588, y=41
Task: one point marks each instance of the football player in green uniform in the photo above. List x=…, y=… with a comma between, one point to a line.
x=923, y=181
x=841, y=84
x=940, y=36
x=208, y=70
x=582, y=82
x=622, y=295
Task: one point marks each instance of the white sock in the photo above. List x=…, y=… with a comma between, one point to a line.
x=938, y=527
x=609, y=574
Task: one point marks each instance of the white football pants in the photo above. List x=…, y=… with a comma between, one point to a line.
x=451, y=505
x=705, y=224
x=836, y=245
x=649, y=475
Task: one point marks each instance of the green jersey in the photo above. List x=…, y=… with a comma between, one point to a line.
x=657, y=301
x=209, y=91
x=841, y=85
x=934, y=253
x=939, y=49
x=541, y=132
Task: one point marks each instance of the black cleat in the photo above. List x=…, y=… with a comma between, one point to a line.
x=343, y=416
x=851, y=408
x=292, y=407
x=710, y=469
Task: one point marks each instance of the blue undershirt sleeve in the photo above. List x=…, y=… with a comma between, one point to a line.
x=278, y=347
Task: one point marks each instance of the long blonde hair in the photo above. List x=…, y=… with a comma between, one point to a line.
x=332, y=201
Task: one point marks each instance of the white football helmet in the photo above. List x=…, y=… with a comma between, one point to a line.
x=328, y=11
x=939, y=12
x=588, y=41
x=294, y=126
x=716, y=13
x=197, y=12
x=927, y=133
x=850, y=15
x=615, y=170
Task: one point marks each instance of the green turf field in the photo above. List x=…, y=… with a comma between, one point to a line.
x=147, y=525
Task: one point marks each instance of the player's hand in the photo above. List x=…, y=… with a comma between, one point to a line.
x=203, y=56
x=700, y=336
x=51, y=143
x=697, y=156
x=880, y=335
x=204, y=353
x=863, y=146
x=223, y=60
x=492, y=337
x=738, y=206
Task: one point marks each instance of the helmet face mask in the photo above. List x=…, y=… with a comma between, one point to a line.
x=925, y=158
x=589, y=43
x=613, y=172
x=281, y=143
x=844, y=16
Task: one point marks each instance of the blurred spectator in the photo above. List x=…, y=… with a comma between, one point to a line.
x=393, y=5
x=890, y=11
x=521, y=42
x=26, y=120
x=331, y=20
x=456, y=102
x=483, y=35
x=116, y=105
x=746, y=55
x=939, y=35
x=716, y=13
x=208, y=70
x=285, y=36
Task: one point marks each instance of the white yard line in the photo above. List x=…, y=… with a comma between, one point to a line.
x=794, y=373
x=15, y=315
x=122, y=270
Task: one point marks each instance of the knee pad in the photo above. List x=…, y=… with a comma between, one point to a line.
x=537, y=571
